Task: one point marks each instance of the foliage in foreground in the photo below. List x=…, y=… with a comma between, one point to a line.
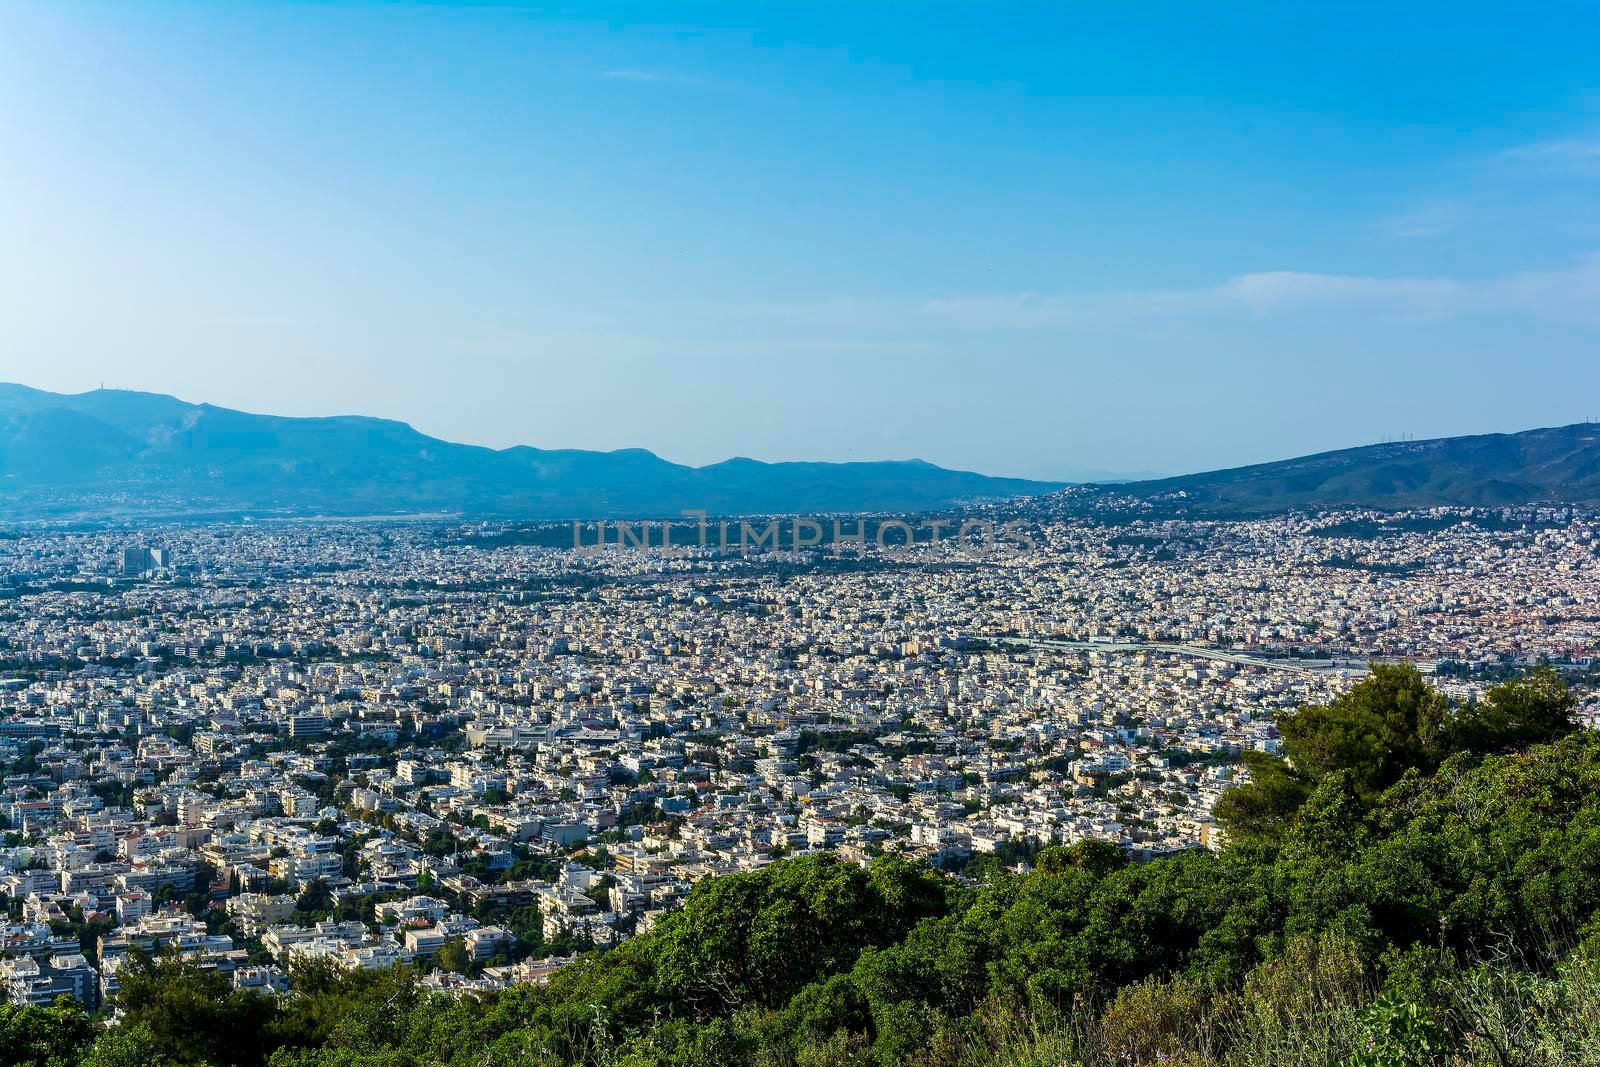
x=1441, y=910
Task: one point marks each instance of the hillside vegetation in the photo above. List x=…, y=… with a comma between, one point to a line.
x=1557, y=465
x=1417, y=885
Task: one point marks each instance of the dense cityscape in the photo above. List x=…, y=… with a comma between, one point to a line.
x=799, y=535
x=478, y=751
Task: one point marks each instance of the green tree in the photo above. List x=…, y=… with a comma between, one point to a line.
x=454, y=957
x=1390, y=723
x=43, y=1037
x=127, y=1046
x=1099, y=858
x=1266, y=805
x=1524, y=711
x=192, y=1014
x=315, y=898
x=1387, y=723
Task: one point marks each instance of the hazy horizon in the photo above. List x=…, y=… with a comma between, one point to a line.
x=1087, y=475
x=1024, y=242
x=1081, y=475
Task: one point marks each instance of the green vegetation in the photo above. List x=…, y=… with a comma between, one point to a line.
x=42, y=1037
x=1390, y=724
x=1400, y=892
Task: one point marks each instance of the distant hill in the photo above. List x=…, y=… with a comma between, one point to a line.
x=111, y=453
x=1559, y=465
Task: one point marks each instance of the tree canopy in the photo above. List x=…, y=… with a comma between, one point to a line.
x=1390, y=723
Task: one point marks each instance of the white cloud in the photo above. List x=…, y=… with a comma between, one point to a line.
x=1266, y=292
x=1538, y=184
x=1427, y=220
x=1566, y=155
x=1570, y=294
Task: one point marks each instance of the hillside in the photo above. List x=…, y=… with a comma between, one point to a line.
x=111, y=453
x=114, y=453
x=1560, y=465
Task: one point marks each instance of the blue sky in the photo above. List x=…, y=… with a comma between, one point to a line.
x=1036, y=239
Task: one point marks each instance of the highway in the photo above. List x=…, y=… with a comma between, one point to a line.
x=1274, y=663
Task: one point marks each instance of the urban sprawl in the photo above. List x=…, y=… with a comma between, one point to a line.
x=475, y=750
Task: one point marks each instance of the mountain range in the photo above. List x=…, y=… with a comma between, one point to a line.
x=1559, y=465
x=111, y=453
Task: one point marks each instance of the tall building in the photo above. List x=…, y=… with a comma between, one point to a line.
x=144, y=559
x=39, y=982
x=308, y=726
